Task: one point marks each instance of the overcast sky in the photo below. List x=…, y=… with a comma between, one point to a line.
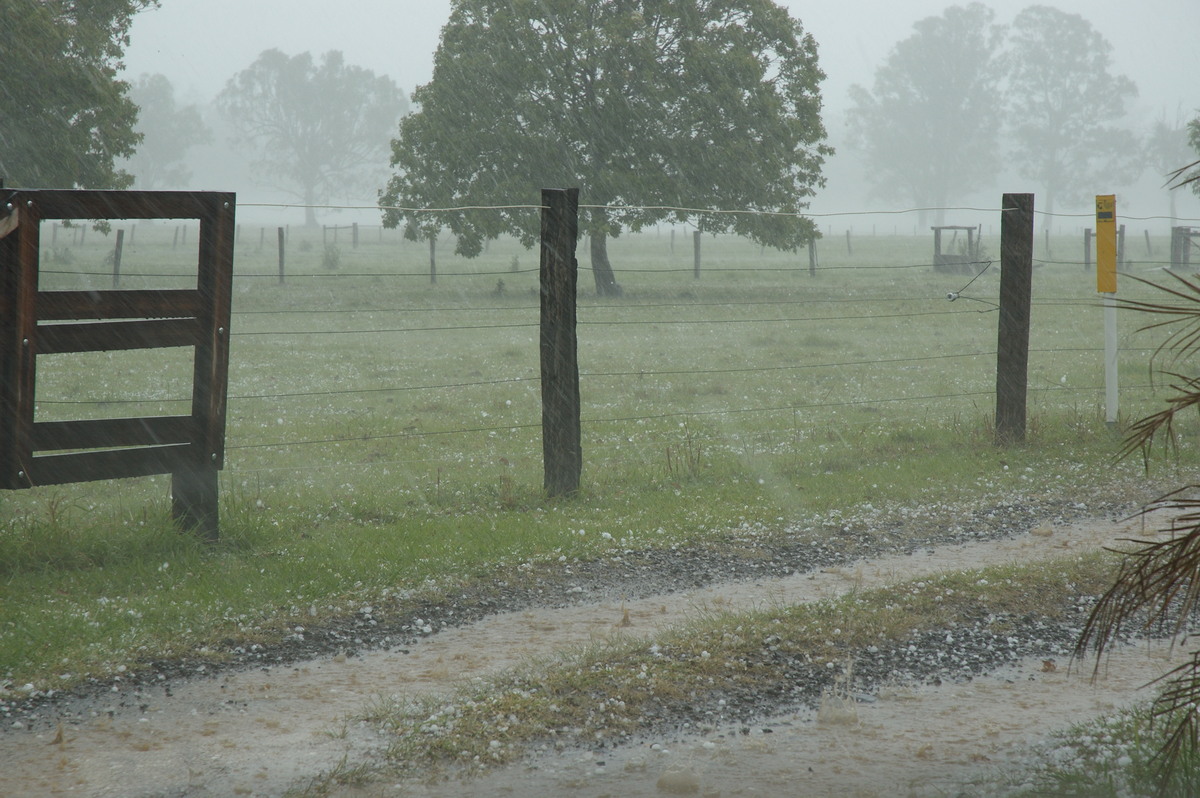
x=200, y=44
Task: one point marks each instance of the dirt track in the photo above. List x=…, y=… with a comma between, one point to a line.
x=264, y=731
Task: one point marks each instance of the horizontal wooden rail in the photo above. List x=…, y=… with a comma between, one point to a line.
x=76, y=305
x=113, y=433
x=57, y=469
x=110, y=336
x=68, y=204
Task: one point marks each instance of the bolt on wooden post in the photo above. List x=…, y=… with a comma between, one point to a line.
x=562, y=451
x=1016, y=286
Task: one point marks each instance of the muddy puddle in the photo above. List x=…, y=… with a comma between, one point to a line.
x=263, y=732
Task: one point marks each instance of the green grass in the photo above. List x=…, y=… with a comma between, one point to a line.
x=380, y=461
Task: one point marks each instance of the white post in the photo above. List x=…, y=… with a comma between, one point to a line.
x=1110, y=358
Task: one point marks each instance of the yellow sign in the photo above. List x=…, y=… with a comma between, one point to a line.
x=1106, y=243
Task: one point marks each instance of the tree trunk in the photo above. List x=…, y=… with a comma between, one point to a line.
x=310, y=213
x=606, y=282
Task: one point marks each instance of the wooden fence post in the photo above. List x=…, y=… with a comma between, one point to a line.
x=354, y=236
x=1016, y=286
x=281, y=239
x=432, y=259
x=812, y=256
x=117, y=258
x=849, y=249
x=696, y=254
x=562, y=452
x=1087, y=249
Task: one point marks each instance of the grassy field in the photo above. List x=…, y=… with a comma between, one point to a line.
x=384, y=430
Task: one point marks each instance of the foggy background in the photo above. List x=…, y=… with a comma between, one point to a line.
x=200, y=44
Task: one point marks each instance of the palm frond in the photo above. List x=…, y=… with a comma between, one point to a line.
x=1143, y=432
x=1176, y=706
x=1158, y=584
x=1180, y=176
x=1184, y=341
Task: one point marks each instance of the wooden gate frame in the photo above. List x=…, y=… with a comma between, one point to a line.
x=191, y=448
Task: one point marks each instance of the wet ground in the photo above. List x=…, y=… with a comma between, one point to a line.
x=266, y=730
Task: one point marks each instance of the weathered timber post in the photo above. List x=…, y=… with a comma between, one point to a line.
x=1016, y=287
x=281, y=240
x=117, y=258
x=849, y=249
x=1121, y=264
x=432, y=259
x=194, y=490
x=1087, y=249
x=696, y=254
x=562, y=452
x=812, y=257
x=354, y=236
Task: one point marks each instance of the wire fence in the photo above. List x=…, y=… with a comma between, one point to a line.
x=756, y=354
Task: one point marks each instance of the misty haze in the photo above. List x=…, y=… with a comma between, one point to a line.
x=614, y=398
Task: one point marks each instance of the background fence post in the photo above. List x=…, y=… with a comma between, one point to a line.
x=432, y=259
x=696, y=254
x=281, y=239
x=1016, y=286
x=812, y=256
x=1087, y=249
x=117, y=258
x=562, y=451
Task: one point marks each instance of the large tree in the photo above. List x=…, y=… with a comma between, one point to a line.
x=168, y=131
x=319, y=129
x=642, y=104
x=928, y=128
x=65, y=117
x=1066, y=107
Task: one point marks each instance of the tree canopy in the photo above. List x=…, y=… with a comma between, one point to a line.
x=1066, y=106
x=643, y=104
x=65, y=117
x=928, y=129
x=168, y=131
x=319, y=129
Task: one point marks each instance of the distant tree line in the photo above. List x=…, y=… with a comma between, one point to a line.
x=962, y=97
x=657, y=110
